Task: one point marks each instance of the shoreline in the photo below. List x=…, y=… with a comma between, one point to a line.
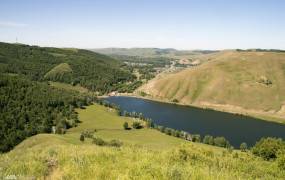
x=257, y=115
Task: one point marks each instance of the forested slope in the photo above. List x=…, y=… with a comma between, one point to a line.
x=75, y=66
x=28, y=108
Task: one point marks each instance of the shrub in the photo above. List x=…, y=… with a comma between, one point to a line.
x=243, y=147
x=267, y=148
x=175, y=101
x=81, y=137
x=88, y=133
x=208, y=140
x=137, y=125
x=99, y=141
x=115, y=143
x=196, y=138
x=168, y=131
x=221, y=142
x=126, y=125
x=177, y=133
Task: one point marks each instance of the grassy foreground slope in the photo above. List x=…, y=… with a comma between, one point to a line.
x=145, y=154
x=242, y=82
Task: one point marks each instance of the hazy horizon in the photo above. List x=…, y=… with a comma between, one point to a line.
x=181, y=24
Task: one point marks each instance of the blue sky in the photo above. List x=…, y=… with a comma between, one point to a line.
x=181, y=24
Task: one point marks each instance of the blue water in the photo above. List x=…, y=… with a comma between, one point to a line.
x=235, y=128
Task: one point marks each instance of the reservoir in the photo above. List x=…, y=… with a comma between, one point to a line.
x=235, y=128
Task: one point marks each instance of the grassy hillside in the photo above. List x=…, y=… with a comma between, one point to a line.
x=91, y=70
x=145, y=154
x=60, y=72
x=243, y=82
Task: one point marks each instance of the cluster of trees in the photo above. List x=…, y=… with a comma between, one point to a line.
x=269, y=148
x=91, y=70
x=135, y=125
x=28, y=108
x=216, y=141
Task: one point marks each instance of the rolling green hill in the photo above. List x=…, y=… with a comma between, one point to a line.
x=145, y=154
x=246, y=82
x=94, y=71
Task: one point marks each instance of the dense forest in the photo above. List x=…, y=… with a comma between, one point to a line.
x=28, y=108
x=29, y=105
x=74, y=66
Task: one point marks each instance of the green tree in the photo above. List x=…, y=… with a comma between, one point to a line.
x=208, y=140
x=196, y=138
x=243, y=147
x=81, y=137
x=126, y=125
x=136, y=125
x=221, y=142
x=268, y=148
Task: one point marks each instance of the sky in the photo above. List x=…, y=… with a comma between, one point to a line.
x=180, y=24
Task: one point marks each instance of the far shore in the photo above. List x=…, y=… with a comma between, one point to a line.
x=237, y=110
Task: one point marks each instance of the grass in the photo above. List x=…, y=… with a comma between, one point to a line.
x=59, y=70
x=110, y=126
x=145, y=154
x=229, y=82
x=65, y=86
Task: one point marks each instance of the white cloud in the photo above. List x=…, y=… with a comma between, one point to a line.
x=12, y=24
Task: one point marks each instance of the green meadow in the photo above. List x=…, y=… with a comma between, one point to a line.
x=145, y=154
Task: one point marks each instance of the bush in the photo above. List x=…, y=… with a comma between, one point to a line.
x=81, y=137
x=196, y=138
x=168, y=131
x=175, y=101
x=161, y=128
x=137, y=125
x=243, y=147
x=208, y=140
x=221, y=142
x=126, y=125
x=99, y=141
x=267, y=148
x=88, y=133
x=115, y=143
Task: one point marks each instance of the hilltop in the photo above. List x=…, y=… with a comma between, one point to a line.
x=246, y=82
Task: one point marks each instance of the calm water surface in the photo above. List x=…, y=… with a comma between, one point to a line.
x=235, y=128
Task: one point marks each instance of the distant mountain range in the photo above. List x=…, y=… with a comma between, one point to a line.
x=150, y=52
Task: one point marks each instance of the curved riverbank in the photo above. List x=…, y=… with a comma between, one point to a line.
x=194, y=120
x=266, y=116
